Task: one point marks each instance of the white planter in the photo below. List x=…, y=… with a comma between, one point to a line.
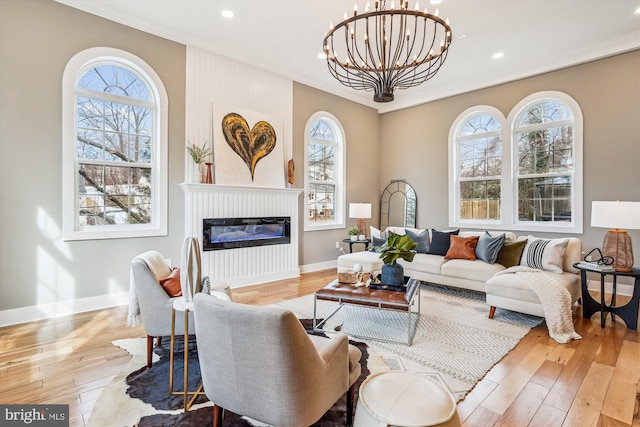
x=196, y=176
x=354, y=238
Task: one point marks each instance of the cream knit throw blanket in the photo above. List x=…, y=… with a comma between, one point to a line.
x=555, y=299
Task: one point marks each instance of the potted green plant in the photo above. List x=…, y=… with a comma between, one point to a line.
x=198, y=155
x=353, y=232
x=396, y=246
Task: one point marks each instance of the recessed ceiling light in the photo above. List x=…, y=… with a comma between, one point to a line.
x=435, y=1
x=498, y=55
x=638, y=11
x=462, y=36
x=227, y=14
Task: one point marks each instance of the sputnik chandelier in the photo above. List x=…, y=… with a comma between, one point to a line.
x=387, y=49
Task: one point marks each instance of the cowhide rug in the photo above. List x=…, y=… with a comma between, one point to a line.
x=139, y=396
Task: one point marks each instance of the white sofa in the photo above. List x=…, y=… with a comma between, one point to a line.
x=504, y=290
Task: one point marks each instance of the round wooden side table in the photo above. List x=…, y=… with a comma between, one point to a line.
x=404, y=399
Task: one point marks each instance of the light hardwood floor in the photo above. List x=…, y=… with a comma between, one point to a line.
x=591, y=382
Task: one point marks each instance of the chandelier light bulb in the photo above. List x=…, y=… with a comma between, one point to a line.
x=345, y=14
x=393, y=5
x=417, y=7
x=355, y=9
x=447, y=21
x=437, y=12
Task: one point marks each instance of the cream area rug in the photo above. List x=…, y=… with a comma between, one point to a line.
x=455, y=341
x=455, y=345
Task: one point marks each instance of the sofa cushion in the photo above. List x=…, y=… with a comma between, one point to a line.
x=488, y=247
x=510, y=253
x=424, y=263
x=440, y=241
x=545, y=254
x=376, y=241
x=472, y=270
x=462, y=248
x=511, y=286
x=422, y=239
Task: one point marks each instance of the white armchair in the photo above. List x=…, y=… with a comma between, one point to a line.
x=260, y=362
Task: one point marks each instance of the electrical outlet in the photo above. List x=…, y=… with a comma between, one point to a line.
x=337, y=245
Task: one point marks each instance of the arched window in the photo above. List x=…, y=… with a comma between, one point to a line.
x=519, y=173
x=476, y=177
x=547, y=168
x=114, y=147
x=324, y=173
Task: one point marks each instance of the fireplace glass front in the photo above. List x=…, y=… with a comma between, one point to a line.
x=230, y=233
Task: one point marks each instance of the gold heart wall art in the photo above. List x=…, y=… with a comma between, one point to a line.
x=250, y=144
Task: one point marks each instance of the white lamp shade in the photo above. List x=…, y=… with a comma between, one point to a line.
x=623, y=215
x=359, y=210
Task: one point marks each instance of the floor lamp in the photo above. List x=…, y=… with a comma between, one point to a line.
x=360, y=211
x=617, y=242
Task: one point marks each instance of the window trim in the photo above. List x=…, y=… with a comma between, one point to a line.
x=74, y=70
x=339, y=212
x=509, y=178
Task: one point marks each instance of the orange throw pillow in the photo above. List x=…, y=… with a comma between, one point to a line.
x=171, y=283
x=462, y=248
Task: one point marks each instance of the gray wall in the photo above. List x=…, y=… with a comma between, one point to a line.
x=361, y=130
x=37, y=38
x=414, y=141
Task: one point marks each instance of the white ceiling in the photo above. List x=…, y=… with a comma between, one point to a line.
x=285, y=36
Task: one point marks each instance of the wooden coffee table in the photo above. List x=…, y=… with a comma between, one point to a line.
x=343, y=293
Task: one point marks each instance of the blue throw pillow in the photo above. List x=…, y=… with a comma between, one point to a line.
x=377, y=242
x=440, y=241
x=488, y=247
x=421, y=239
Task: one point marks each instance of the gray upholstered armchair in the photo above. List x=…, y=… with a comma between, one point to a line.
x=154, y=303
x=261, y=363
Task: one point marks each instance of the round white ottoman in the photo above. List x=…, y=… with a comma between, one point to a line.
x=404, y=399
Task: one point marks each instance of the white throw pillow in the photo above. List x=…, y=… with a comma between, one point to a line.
x=545, y=254
x=374, y=232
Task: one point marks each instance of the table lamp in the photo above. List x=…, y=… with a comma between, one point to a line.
x=360, y=211
x=617, y=242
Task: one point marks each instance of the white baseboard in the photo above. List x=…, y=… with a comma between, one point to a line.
x=263, y=278
x=62, y=308
x=308, y=268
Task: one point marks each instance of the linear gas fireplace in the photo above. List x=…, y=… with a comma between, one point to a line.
x=230, y=233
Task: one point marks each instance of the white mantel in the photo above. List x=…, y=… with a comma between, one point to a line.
x=244, y=266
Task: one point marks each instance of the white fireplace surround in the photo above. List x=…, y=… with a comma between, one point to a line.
x=244, y=266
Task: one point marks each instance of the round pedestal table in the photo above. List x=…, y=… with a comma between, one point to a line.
x=404, y=399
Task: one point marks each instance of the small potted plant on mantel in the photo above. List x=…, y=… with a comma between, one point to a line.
x=198, y=155
x=396, y=246
x=353, y=232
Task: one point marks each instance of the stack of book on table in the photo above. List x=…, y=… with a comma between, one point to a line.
x=594, y=266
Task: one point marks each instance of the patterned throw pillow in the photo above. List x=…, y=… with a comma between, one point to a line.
x=489, y=247
x=462, y=248
x=545, y=254
x=421, y=239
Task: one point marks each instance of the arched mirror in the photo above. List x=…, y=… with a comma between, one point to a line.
x=398, y=205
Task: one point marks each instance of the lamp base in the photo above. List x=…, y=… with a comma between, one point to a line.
x=617, y=244
x=362, y=226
